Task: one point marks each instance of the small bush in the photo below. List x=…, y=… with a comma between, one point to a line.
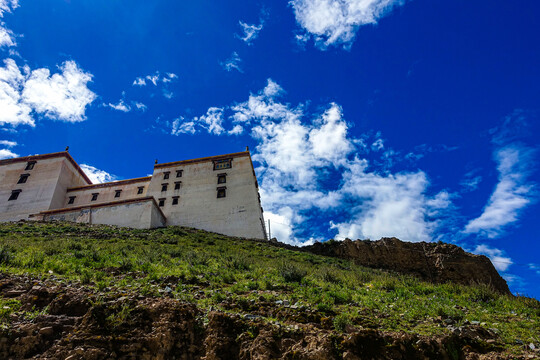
x=341, y=321
x=291, y=273
x=6, y=255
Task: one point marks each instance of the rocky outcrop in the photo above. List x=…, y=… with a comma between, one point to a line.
x=92, y=326
x=434, y=262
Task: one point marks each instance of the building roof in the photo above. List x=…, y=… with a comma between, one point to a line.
x=111, y=184
x=199, y=160
x=48, y=156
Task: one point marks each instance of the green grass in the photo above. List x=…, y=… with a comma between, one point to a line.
x=246, y=276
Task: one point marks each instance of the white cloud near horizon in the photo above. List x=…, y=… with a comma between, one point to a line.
x=96, y=175
x=335, y=22
x=295, y=156
x=7, y=154
x=512, y=193
x=499, y=261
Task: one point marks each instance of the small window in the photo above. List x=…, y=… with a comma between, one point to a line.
x=179, y=173
x=221, y=192
x=222, y=164
x=23, y=178
x=175, y=200
x=222, y=178
x=140, y=190
x=30, y=165
x=166, y=174
x=94, y=196
x=177, y=185
x=164, y=187
x=117, y=193
x=161, y=202
x=71, y=200
x=14, y=195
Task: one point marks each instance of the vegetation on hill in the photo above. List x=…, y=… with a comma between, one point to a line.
x=256, y=280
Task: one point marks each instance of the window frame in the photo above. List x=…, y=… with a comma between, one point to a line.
x=30, y=165
x=164, y=187
x=23, y=178
x=221, y=192
x=14, y=194
x=71, y=200
x=177, y=185
x=161, y=202
x=179, y=173
x=175, y=200
x=222, y=164
x=117, y=193
x=223, y=177
x=166, y=175
x=140, y=190
x=94, y=197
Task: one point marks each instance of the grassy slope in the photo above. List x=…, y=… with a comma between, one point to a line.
x=235, y=275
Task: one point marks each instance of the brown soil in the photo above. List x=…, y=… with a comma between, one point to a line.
x=82, y=324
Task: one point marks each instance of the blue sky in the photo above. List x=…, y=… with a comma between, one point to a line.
x=416, y=119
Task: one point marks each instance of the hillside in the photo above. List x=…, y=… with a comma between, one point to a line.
x=75, y=291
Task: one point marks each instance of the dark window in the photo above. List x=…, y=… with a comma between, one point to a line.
x=94, y=196
x=117, y=193
x=221, y=192
x=222, y=164
x=166, y=174
x=140, y=190
x=179, y=173
x=23, y=178
x=14, y=195
x=164, y=187
x=71, y=199
x=175, y=200
x=177, y=185
x=222, y=178
x=161, y=202
x=30, y=165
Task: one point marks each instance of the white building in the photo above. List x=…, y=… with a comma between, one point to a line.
x=218, y=193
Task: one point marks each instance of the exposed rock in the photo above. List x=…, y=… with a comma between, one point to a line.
x=435, y=262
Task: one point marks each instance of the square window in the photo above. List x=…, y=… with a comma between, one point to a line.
x=117, y=193
x=140, y=190
x=222, y=178
x=71, y=199
x=221, y=192
x=177, y=185
x=175, y=200
x=179, y=173
x=161, y=202
x=30, y=165
x=166, y=174
x=94, y=196
x=23, y=178
x=14, y=195
x=164, y=187
x=222, y=164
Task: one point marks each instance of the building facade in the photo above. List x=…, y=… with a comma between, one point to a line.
x=218, y=193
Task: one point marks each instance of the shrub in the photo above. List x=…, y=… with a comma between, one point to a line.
x=291, y=273
x=341, y=321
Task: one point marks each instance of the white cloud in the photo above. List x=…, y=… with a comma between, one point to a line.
x=155, y=79
x=7, y=38
x=7, y=154
x=512, y=193
x=121, y=106
x=140, y=106
x=8, y=143
x=535, y=267
x=14, y=110
x=62, y=96
x=333, y=22
x=250, y=32
x=298, y=159
x=96, y=175
x=233, y=63
x=471, y=181
x=496, y=256
x=7, y=6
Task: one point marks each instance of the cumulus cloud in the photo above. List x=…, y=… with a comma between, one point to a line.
x=96, y=175
x=513, y=192
x=7, y=154
x=334, y=22
x=233, y=63
x=310, y=163
x=15, y=111
x=496, y=256
x=7, y=38
x=8, y=143
x=120, y=106
x=6, y=6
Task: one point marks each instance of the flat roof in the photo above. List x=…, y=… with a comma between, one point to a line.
x=48, y=156
x=199, y=160
x=110, y=184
